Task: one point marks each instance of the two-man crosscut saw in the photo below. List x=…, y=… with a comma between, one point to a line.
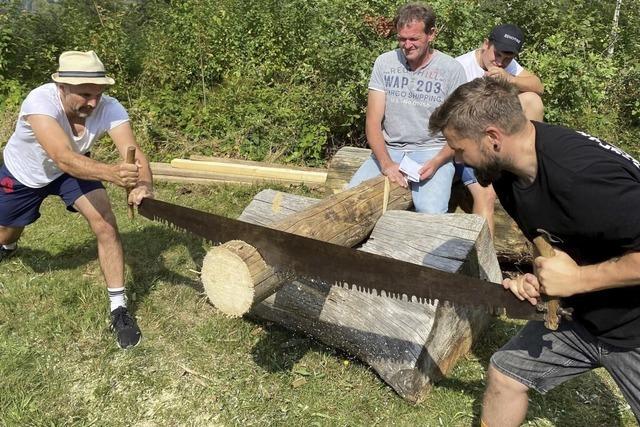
x=290, y=254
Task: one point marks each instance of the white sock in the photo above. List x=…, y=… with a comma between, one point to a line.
x=117, y=298
x=11, y=246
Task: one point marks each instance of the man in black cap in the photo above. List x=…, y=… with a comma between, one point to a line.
x=494, y=58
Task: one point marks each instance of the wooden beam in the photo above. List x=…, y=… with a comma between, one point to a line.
x=166, y=172
x=254, y=169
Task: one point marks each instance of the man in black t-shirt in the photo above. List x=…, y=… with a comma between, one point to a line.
x=585, y=193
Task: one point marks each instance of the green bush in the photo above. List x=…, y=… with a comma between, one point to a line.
x=286, y=80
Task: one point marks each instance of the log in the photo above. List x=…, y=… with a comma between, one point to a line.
x=235, y=276
x=253, y=169
x=409, y=344
x=510, y=244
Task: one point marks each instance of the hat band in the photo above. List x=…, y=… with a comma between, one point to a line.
x=81, y=74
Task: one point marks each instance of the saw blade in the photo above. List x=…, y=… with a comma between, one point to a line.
x=299, y=256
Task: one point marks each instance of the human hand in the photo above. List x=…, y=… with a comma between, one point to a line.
x=524, y=287
x=429, y=169
x=125, y=174
x=392, y=171
x=498, y=73
x=559, y=275
x=140, y=192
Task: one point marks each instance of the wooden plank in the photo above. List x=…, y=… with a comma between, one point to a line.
x=255, y=170
x=252, y=163
x=165, y=172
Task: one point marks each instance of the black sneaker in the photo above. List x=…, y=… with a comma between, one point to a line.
x=6, y=253
x=128, y=334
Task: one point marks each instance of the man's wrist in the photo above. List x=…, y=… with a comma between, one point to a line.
x=148, y=185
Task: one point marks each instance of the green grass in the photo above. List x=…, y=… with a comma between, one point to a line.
x=59, y=364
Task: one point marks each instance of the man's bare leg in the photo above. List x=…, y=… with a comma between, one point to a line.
x=96, y=209
x=532, y=106
x=505, y=400
x=484, y=199
x=10, y=235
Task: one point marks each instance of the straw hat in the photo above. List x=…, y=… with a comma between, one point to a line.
x=78, y=68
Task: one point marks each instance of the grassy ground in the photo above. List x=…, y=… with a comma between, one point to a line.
x=59, y=364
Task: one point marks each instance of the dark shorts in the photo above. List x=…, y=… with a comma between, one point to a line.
x=542, y=359
x=465, y=174
x=20, y=205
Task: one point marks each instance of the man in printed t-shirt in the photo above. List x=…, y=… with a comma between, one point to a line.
x=585, y=193
x=406, y=85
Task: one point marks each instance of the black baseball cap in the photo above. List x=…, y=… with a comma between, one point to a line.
x=507, y=38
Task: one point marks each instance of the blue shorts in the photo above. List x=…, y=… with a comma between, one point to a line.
x=20, y=205
x=465, y=174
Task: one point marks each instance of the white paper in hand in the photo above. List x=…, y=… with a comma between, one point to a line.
x=410, y=168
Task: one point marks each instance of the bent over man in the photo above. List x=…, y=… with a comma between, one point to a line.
x=406, y=85
x=585, y=193
x=48, y=154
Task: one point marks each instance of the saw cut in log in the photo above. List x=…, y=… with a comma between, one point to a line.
x=409, y=344
x=344, y=219
x=510, y=244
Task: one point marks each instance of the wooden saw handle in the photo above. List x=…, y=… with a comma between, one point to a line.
x=131, y=158
x=552, y=314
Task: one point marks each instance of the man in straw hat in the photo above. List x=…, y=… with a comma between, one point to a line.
x=48, y=154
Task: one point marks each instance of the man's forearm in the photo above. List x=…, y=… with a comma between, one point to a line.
x=83, y=167
x=146, y=177
x=528, y=84
x=379, y=147
x=614, y=273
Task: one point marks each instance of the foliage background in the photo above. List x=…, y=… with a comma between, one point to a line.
x=286, y=80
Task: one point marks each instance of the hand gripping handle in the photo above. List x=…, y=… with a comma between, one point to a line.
x=552, y=312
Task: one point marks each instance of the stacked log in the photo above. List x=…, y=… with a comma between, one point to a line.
x=409, y=344
x=236, y=277
x=510, y=244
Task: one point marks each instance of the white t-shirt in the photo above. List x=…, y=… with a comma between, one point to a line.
x=24, y=156
x=473, y=70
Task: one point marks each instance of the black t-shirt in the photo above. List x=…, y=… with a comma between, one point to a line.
x=587, y=194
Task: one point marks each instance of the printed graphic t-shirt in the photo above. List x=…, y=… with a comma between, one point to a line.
x=411, y=97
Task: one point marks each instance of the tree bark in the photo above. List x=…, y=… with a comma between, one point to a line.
x=510, y=244
x=236, y=277
x=409, y=344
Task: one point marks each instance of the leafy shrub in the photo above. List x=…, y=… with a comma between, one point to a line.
x=287, y=79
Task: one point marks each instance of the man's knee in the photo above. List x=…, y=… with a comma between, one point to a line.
x=532, y=106
x=502, y=384
x=484, y=198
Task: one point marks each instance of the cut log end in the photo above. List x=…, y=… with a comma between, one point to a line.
x=227, y=281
